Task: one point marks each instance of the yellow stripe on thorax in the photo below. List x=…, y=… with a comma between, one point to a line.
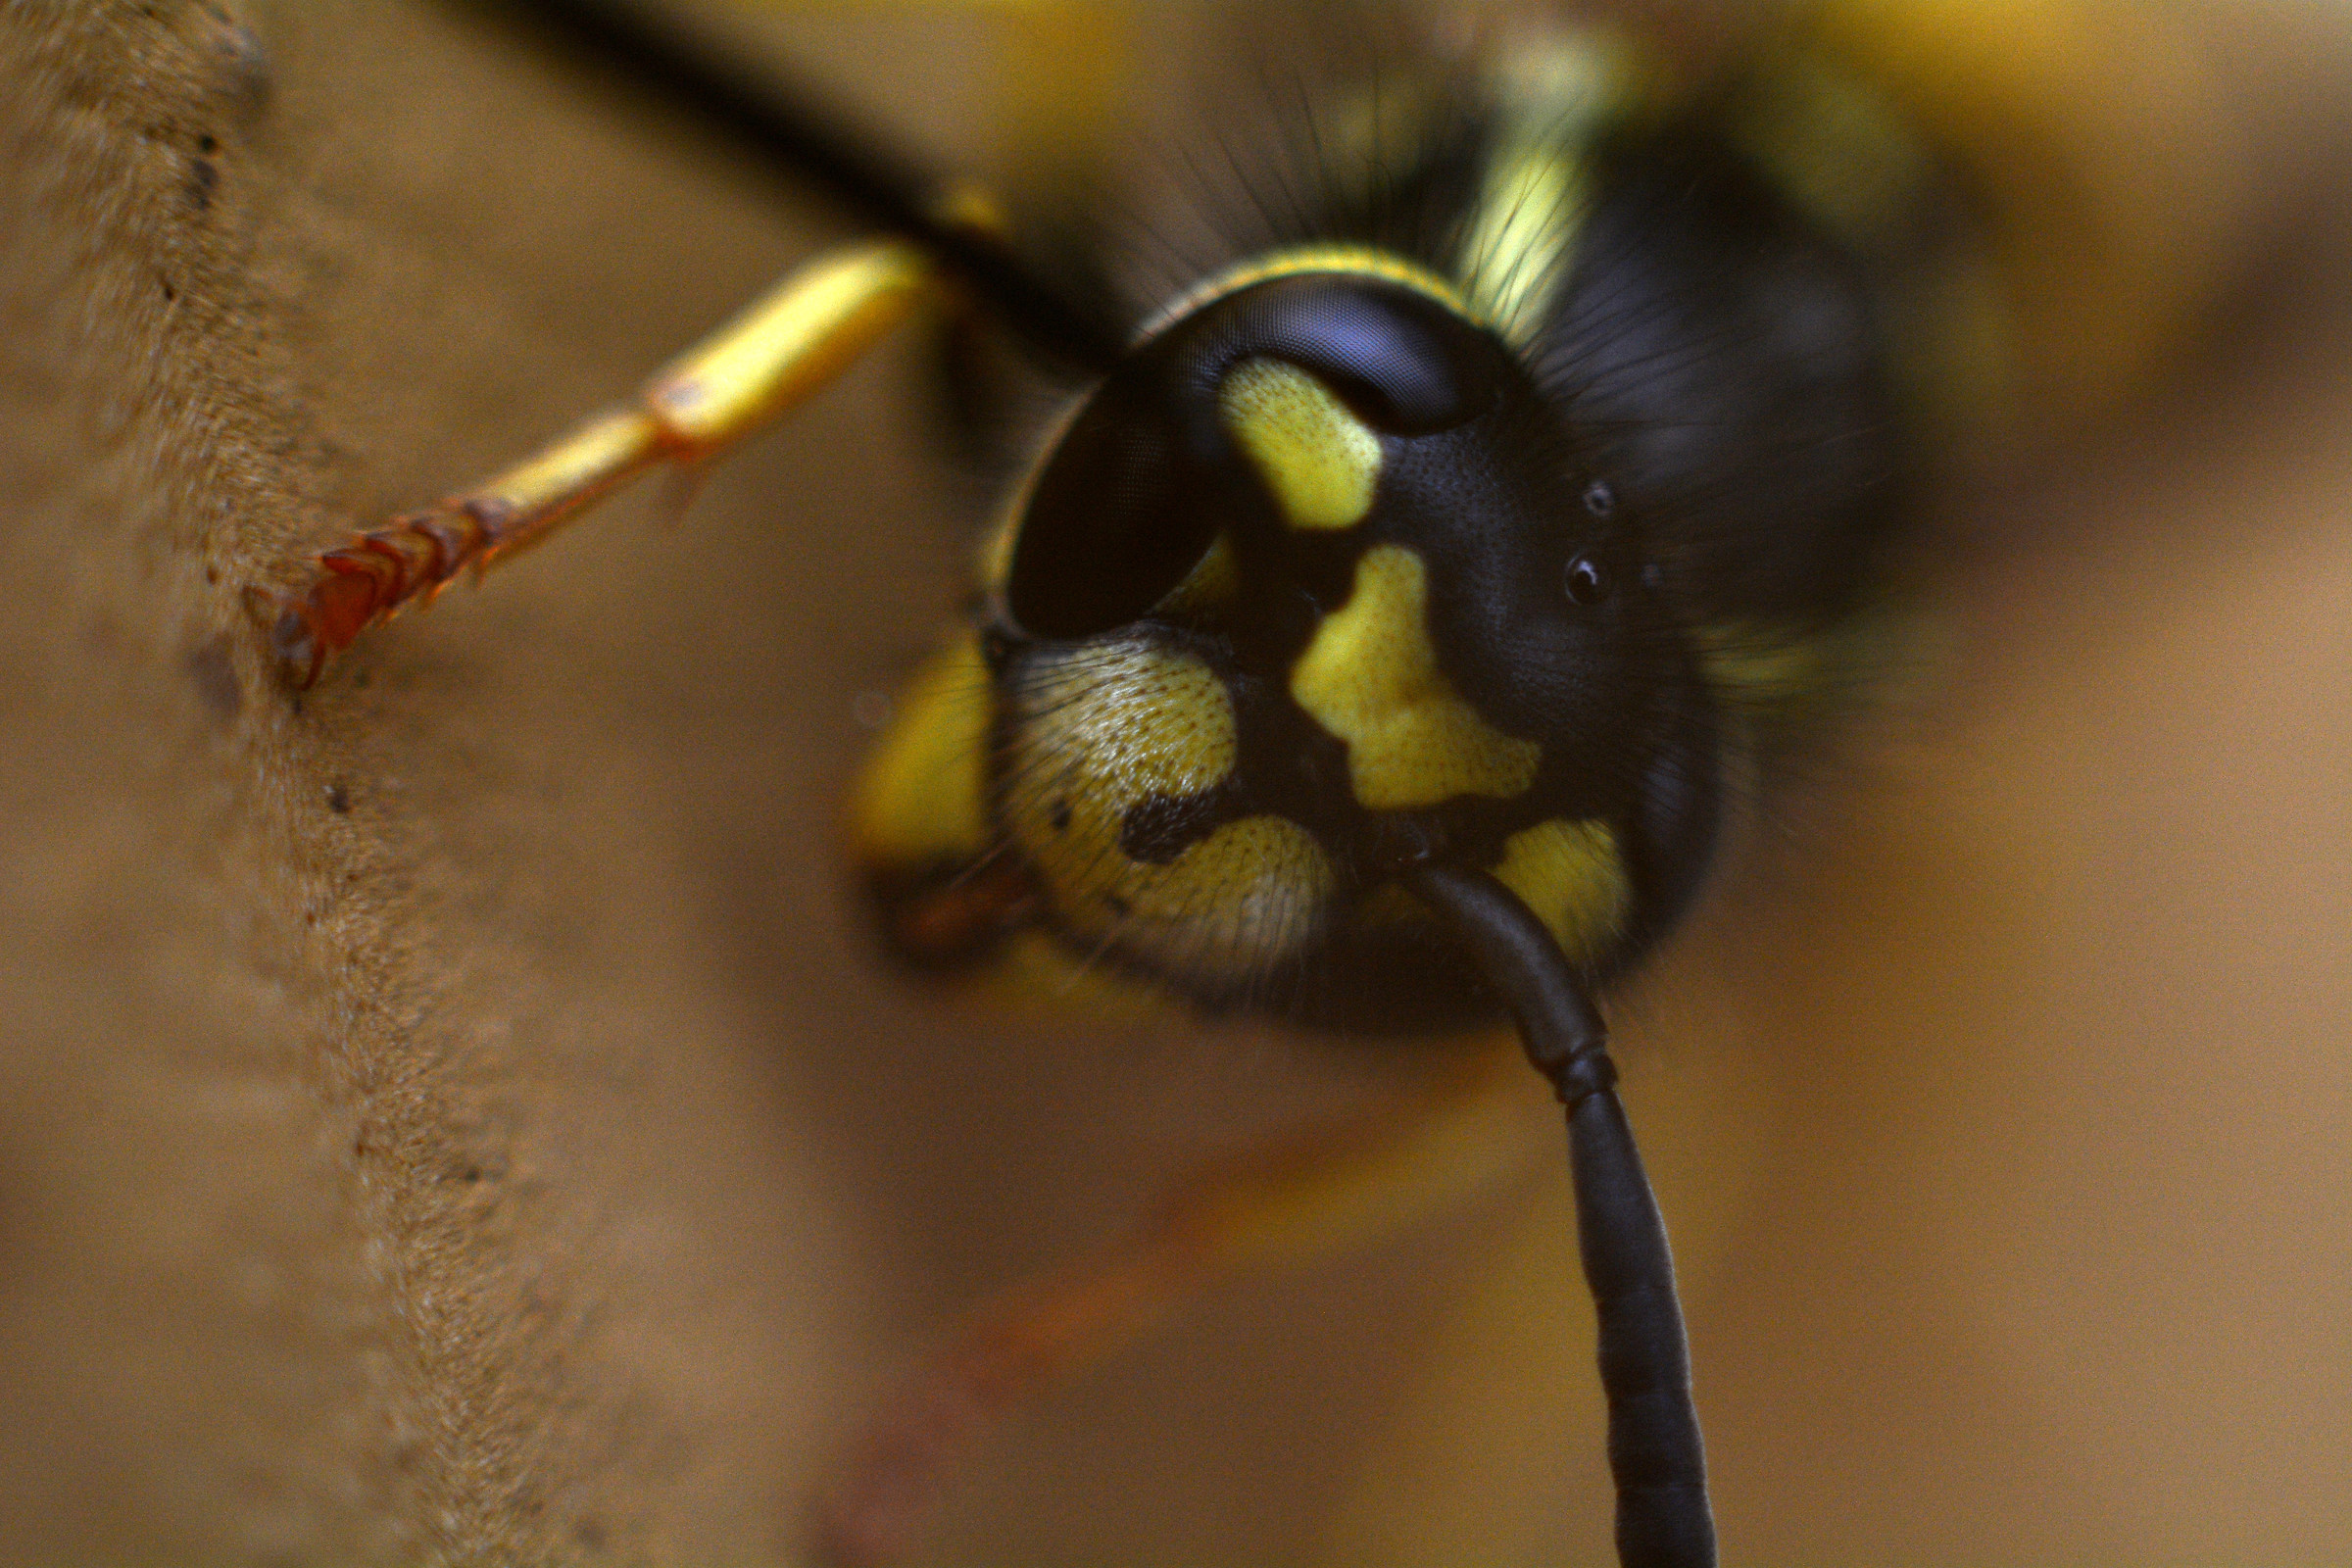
x=1552, y=94
x=1355, y=261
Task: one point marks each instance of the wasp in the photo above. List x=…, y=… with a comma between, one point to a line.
x=1388, y=628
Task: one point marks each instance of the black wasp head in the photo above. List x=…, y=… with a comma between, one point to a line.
x=1154, y=469
x=1317, y=583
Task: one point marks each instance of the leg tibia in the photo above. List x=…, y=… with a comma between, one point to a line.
x=808, y=331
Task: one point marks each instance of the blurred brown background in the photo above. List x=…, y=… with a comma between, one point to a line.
x=454, y=1116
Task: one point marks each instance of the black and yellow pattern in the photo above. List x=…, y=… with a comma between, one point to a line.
x=1371, y=552
x=1511, y=514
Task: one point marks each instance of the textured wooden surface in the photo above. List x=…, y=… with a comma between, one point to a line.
x=455, y=1117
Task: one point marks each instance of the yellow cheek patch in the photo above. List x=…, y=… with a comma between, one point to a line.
x=1571, y=875
x=1108, y=728
x=1321, y=461
x=921, y=800
x=1248, y=894
x=1371, y=679
x=1104, y=725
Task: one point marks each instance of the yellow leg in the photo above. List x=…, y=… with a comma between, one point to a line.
x=806, y=330
x=1287, y=1208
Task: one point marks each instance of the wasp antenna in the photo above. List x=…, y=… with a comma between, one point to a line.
x=782, y=125
x=1655, y=1454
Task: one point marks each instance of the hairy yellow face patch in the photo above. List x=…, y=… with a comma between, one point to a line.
x=1104, y=725
x=1371, y=679
x=1571, y=875
x=1321, y=461
x=1102, y=729
x=1245, y=895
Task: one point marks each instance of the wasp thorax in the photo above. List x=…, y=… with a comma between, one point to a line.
x=1308, y=591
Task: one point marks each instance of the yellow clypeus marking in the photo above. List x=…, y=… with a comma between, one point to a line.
x=1571, y=875
x=921, y=800
x=1321, y=461
x=1110, y=727
x=1104, y=724
x=1371, y=679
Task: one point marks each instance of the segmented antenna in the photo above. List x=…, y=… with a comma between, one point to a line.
x=1655, y=1454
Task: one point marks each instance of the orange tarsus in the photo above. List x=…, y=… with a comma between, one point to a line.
x=802, y=334
x=381, y=573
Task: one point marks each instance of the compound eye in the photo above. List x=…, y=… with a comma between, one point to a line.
x=1408, y=363
x=1115, y=522
x=1147, y=475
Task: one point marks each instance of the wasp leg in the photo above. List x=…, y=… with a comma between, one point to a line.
x=1288, y=1205
x=788, y=345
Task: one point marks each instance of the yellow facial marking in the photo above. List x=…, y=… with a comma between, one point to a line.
x=1371, y=679
x=1247, y=894
x=1570, y=874
x=921, y=800
x=1319, y=458
x=1107, y=727
x=1106, y=723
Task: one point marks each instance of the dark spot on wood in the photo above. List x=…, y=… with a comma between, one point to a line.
x=170, y=294
x=338, y=800
x=203, y=179
x=1062, y=816
x=208, y=144
x=1114, y=904
x=214, y=674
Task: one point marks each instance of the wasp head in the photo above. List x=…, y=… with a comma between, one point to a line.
x=1318, y=584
